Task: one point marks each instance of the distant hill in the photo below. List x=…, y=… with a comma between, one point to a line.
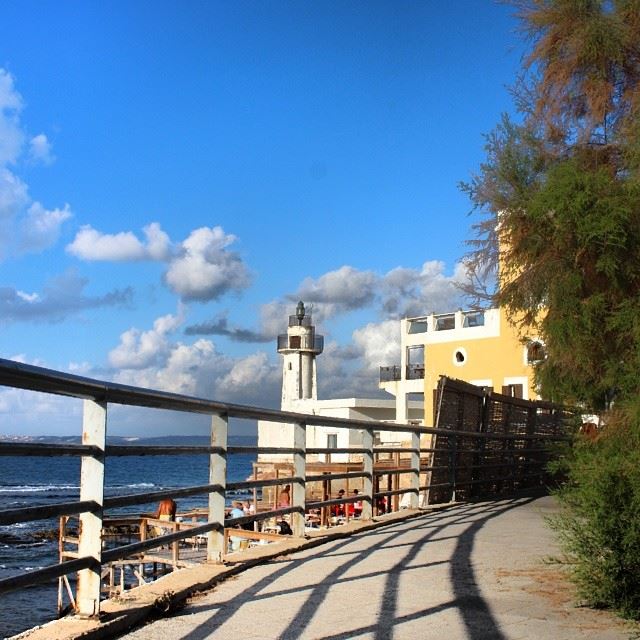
x=247, y=441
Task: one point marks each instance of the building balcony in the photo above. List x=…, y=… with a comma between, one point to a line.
x=394, y=372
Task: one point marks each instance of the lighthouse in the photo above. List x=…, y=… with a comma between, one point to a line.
x=299, y=348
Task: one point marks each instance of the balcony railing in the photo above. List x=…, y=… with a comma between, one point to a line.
x=294, y=321
x=313, y=343
x=415, y=371
x=389, y=374
x=394, y=372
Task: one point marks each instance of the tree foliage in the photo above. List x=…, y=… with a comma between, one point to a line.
x=560, y=191
x=560, y=194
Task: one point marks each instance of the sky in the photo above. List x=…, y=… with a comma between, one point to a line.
x=175, y=176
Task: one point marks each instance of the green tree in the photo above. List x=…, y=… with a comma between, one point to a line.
x=559, y=194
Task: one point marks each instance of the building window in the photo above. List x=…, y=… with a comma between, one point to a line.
x=332, y=441
x=417, y=326
x=535, y=352
x=415, y=362
x=294, y=342
x=445, y=322
x=473, y=319
x=513, y=390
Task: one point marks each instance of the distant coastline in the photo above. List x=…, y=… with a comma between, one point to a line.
x=247, y=440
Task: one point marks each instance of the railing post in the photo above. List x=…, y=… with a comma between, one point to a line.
x=367, y=479
x=94, y=429
x=414, y=496
x=217, y=475
x=299, y=489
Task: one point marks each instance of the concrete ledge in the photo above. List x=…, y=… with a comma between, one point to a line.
x=164, y=595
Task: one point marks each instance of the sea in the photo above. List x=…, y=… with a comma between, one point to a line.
x=32, y=481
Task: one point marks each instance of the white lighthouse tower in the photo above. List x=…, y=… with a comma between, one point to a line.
x=299, y=348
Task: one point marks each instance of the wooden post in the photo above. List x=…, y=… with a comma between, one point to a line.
x=367, y=479
x=175, y=546
x=415, y=466
x=298, y=496
x=217, y=475
x=94, y=429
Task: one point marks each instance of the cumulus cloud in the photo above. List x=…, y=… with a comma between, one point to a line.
x=92, y=245
x=410, y=292
x=26, y=226
x=60, y=297
x=40, y=150
x=141, y=349
x=41, y=227
x=248, y=372
x=344, y=289
x=200, y=268
x=205, y=269
x=155, y=359
x=378, y=343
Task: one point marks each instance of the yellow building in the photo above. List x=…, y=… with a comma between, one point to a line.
x=480, y=347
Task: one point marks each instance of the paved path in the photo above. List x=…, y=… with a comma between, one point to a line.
x=472, y=571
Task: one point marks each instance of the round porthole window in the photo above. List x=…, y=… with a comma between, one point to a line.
x=459, y=357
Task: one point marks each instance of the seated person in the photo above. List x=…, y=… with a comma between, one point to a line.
x=357, y=506
x=338, y=510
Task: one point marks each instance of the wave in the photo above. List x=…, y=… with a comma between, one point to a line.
x=43, y=488
x=36, y=488
x=137, y=485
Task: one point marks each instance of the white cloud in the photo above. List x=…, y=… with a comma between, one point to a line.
x=344, y=289
x=89, y=244
x=26, y=226
x=61, y=296
x=14, y=195
x=411, y=292
x=200, y=268
x=11, y=134
x=249, y=373
x=93, y=245
x=40, y=150
x=41, y=227
x=204, y=269
x=378, y=344
x=142, y=349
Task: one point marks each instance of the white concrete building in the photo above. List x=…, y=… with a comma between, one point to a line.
x=299, y=348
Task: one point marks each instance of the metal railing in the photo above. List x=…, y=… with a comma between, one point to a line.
x=394, y=372
x=92, y=504
x=313, y=342
x=390, y=373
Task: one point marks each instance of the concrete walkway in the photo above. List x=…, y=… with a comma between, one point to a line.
x=474, y=571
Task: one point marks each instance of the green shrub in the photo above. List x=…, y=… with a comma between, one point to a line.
x=599, y=527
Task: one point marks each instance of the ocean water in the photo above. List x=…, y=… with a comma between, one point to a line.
x=30, y=481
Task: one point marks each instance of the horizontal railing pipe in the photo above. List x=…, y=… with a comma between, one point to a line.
x=38, y=576
x=46, y=450
x=44, y=512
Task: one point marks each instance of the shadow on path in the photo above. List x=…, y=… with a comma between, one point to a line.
x=479, y=622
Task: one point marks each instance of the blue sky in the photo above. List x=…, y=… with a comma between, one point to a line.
x=175, y=175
